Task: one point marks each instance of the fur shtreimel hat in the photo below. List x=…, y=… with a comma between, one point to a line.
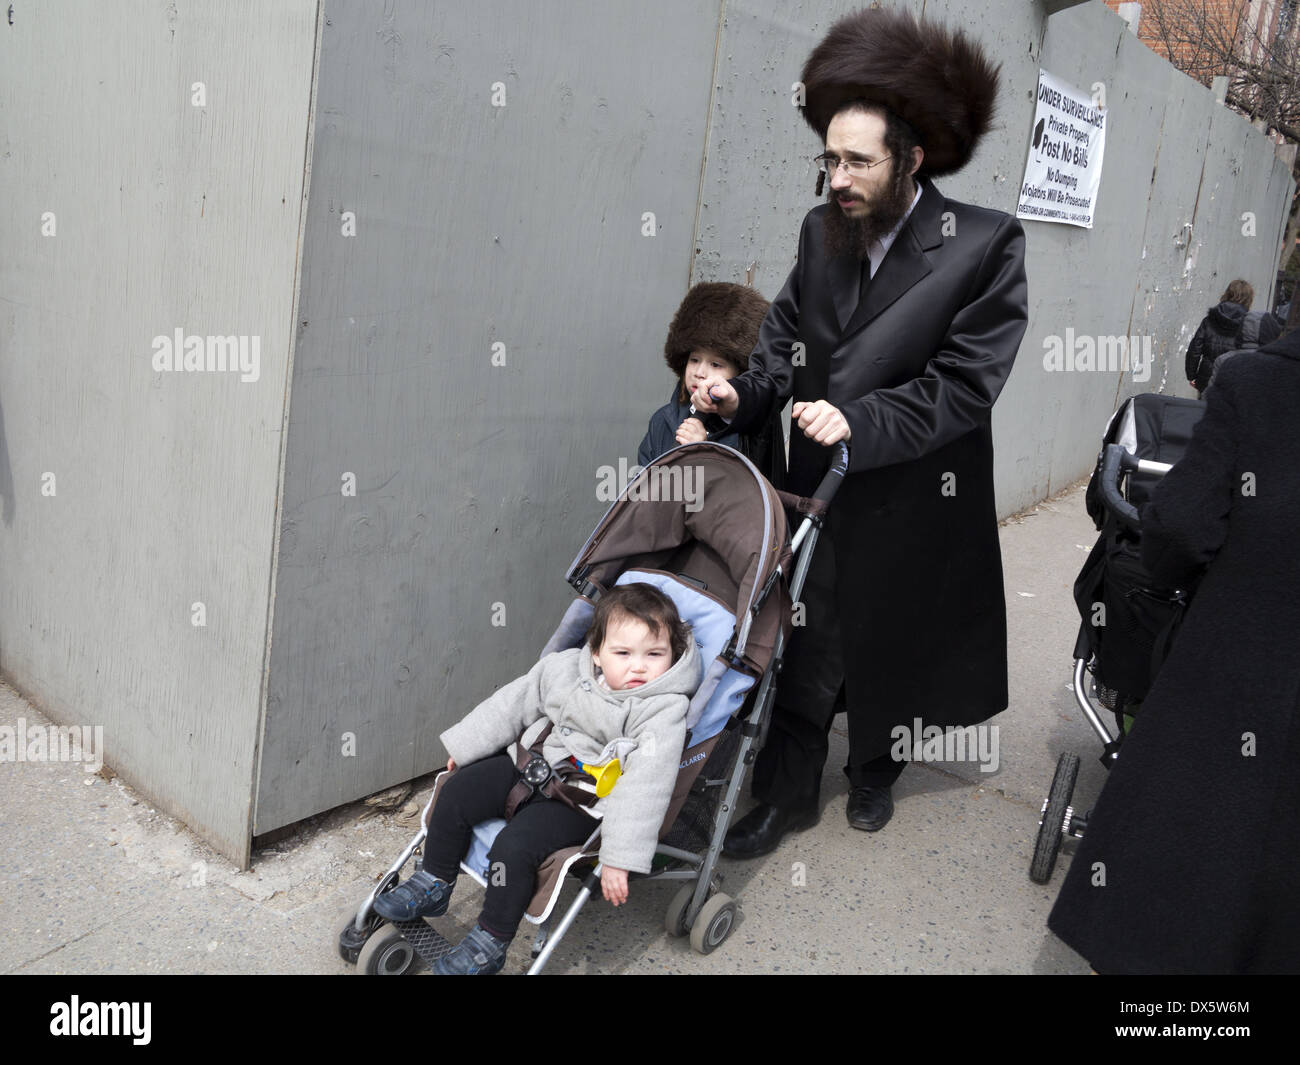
x=719, y=316
x=940, y=82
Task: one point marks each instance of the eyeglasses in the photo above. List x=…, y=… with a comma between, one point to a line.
x=828, y=164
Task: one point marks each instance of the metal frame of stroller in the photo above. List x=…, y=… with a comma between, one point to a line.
x=699, y=908
x=1058, y=818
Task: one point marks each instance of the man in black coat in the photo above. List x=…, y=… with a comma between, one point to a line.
x=1192, y=854
x=895, y=331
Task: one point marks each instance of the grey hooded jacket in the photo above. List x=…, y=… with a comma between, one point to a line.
x=645, y=728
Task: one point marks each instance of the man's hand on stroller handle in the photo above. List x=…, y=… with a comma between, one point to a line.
x=613, y=883
x=821, y=422
x=715, y=395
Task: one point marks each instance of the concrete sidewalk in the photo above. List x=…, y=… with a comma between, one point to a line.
x=96, y=881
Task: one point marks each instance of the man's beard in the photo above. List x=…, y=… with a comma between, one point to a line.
x=853, y=236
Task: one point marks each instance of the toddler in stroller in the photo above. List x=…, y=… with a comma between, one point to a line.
x=623, y=695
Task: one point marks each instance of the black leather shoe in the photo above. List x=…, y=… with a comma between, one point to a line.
x=761, y=830
x=870, y=808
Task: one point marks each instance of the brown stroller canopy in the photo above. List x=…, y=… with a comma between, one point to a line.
x=701, y=513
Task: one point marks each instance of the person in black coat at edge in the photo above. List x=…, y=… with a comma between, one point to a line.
x=1191, y=859
x=1219, y=331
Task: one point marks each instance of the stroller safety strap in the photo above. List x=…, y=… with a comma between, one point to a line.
x=530, y=761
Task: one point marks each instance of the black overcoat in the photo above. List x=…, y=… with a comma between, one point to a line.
x=915, y=369
x=1191, y=859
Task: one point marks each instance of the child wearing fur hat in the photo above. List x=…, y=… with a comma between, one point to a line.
x=713, y=332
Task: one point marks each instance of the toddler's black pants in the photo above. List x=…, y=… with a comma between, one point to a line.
x=477, y=792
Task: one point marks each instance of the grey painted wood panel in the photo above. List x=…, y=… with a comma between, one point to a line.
x=485, y=343
x=168, y=216
x=473, y=487
x=476, y=483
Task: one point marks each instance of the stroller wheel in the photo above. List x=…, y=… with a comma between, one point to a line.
x=387, y=953
x=675, y=918
x=713, y=924
x=1051, y=827
x=349, y=940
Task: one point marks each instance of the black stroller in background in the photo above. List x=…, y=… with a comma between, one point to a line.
x=1128, y=623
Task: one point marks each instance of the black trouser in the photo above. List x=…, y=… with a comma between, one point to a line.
x=788, y=770
x=809, y=693
x=477, y=792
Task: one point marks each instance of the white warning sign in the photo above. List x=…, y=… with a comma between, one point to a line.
x=1063, y=171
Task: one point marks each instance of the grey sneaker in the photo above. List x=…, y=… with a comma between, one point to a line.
x=423, y=895
x=480, y=954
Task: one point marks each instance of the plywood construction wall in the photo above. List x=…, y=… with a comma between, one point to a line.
x=458, y=234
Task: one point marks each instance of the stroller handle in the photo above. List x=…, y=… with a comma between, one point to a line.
x=1117, y=461
x=814, y=508
x=834, y=475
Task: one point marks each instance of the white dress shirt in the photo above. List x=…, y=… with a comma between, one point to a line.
x=877, y=250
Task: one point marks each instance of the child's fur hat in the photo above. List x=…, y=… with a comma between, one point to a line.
x=719, y=316
x=940, y=82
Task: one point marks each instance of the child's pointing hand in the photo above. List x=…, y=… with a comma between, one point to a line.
x=716, y=394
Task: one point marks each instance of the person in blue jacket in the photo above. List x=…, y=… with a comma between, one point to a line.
x=712, y=333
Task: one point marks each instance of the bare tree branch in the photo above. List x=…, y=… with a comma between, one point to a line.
x=1255, y=45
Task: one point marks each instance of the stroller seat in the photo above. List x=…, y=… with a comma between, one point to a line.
x=721, y=694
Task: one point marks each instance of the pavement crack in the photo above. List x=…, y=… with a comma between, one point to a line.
x=88, y=932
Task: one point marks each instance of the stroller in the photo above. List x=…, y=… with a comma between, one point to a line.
x=724, y=559
x=1128, y=624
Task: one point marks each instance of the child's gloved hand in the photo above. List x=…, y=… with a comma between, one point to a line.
x=613, y=883
x=691, y=431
